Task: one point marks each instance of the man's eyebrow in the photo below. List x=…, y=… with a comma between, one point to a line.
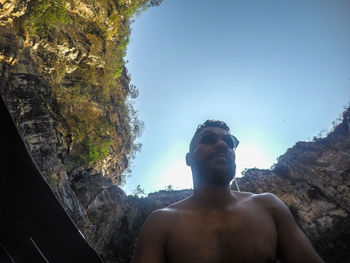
x=213, y=133
x=207, y=133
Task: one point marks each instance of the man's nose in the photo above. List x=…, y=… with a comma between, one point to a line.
x=221, y=143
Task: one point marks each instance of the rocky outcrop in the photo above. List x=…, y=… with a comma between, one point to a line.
x=34, y=67
x=313, y=179
x=10, y=10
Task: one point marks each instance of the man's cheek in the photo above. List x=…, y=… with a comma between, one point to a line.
x=200, y=155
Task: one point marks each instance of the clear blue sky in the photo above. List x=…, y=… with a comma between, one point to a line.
x=276, y=71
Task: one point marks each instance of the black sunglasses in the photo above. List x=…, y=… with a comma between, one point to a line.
x=212, y=138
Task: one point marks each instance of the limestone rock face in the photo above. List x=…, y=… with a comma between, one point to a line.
x=30, y=68
x=30, y=103
x=11, y=9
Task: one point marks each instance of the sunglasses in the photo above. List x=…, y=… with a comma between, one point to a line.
x=212, y=138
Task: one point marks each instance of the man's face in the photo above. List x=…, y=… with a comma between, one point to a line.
x=213, y=155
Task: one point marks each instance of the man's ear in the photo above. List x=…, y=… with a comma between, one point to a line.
x=188, y=159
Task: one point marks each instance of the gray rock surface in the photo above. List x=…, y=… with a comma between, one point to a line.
x=313, y=179
x=29, y=68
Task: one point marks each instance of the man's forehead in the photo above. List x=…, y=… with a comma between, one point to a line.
x=215, y=130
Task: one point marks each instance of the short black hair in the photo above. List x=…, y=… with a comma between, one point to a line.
x=207, y=123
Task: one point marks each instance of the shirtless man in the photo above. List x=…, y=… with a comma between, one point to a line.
x=216, y=224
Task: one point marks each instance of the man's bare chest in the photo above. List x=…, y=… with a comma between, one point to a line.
x=223, y=238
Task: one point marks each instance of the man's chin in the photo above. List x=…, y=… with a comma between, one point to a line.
x=220, y=180
x=221, y=175
x=223, y=168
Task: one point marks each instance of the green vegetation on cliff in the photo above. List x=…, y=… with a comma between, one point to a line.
x=43, y=13
x=93, y=98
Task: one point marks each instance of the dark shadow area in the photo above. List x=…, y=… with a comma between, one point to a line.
x=34, y=227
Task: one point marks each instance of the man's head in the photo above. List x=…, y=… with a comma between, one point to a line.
x=211, y=155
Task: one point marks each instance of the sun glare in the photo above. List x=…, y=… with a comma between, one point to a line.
x=177, y=174
x=252, y=156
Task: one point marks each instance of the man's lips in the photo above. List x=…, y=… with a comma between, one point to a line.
x=218, y=155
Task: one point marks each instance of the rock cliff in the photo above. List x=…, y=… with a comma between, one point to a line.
x=64, y=82
x=313, y=179
x=55, y=74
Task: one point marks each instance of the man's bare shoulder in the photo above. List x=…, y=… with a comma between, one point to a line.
x=267, y=200
x=169, y=212
x=263, y=199
x=159, y=221
x=153, y=236
x=180, y=205
x=161, y=214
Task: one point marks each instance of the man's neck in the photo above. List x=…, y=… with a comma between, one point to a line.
x=213, y=196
